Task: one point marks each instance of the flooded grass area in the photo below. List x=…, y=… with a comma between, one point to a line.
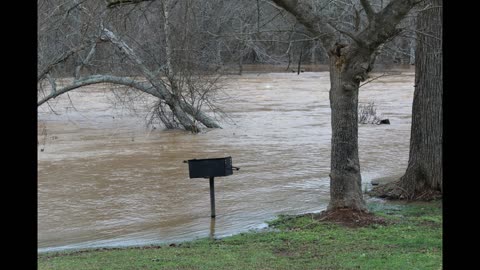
x=411, y=240
x=106, y=180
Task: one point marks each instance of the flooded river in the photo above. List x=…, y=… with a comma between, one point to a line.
x=105, y=180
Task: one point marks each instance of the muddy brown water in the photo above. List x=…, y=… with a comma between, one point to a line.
x=105, y=180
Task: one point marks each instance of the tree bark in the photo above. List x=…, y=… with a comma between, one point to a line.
x=349, y=65
x=345, y=177
x=424, y=173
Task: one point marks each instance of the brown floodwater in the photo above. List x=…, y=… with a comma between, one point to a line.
x=106, y=180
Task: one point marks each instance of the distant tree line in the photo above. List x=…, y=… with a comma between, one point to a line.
x=215, y=34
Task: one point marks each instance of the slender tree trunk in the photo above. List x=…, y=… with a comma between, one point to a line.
x=173, y=103
x=240, y=64
x=299, y=61
x=411, y=48
x=168, y=43
x=424, y=172
x=313, y=59
x=240, y=61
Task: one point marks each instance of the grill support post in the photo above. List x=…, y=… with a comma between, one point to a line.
x=212, y=197
x=212, y=228
x=209, y=168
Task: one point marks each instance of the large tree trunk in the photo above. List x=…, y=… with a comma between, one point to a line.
x=424, y=175
x=345, y=178
x=424, y=172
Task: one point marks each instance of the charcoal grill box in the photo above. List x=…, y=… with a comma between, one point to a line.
x=210, y=167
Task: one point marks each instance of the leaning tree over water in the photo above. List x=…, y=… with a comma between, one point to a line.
x=92, y=44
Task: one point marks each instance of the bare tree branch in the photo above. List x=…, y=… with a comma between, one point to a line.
x=303, y=12
x=348, y=34
x=378, y=77
x=159, y=85
x=115, y=3
x=96, y=79
x=258, y=16
x=368, y=9
x=85, y=61
x=52, y=83
x=385, y=22
x=61, y=58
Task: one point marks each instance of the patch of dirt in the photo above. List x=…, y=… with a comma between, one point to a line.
x=284, y=252
x=350, y=218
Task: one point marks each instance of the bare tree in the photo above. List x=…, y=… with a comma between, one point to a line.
x=352, y=52
x=102, y=42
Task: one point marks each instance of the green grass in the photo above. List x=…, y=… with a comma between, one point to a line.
x=413, y=240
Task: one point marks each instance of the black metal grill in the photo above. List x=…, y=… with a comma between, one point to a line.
x=210, y=167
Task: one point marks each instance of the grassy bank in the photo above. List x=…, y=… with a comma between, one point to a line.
x=411, y=240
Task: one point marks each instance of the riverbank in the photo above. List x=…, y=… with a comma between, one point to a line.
x=412, y=236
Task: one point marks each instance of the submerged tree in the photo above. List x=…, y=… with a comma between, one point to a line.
x=352, y=53
x=424, y=175
x=93, y=49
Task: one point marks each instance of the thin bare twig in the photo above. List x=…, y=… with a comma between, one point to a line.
x=378, y=77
